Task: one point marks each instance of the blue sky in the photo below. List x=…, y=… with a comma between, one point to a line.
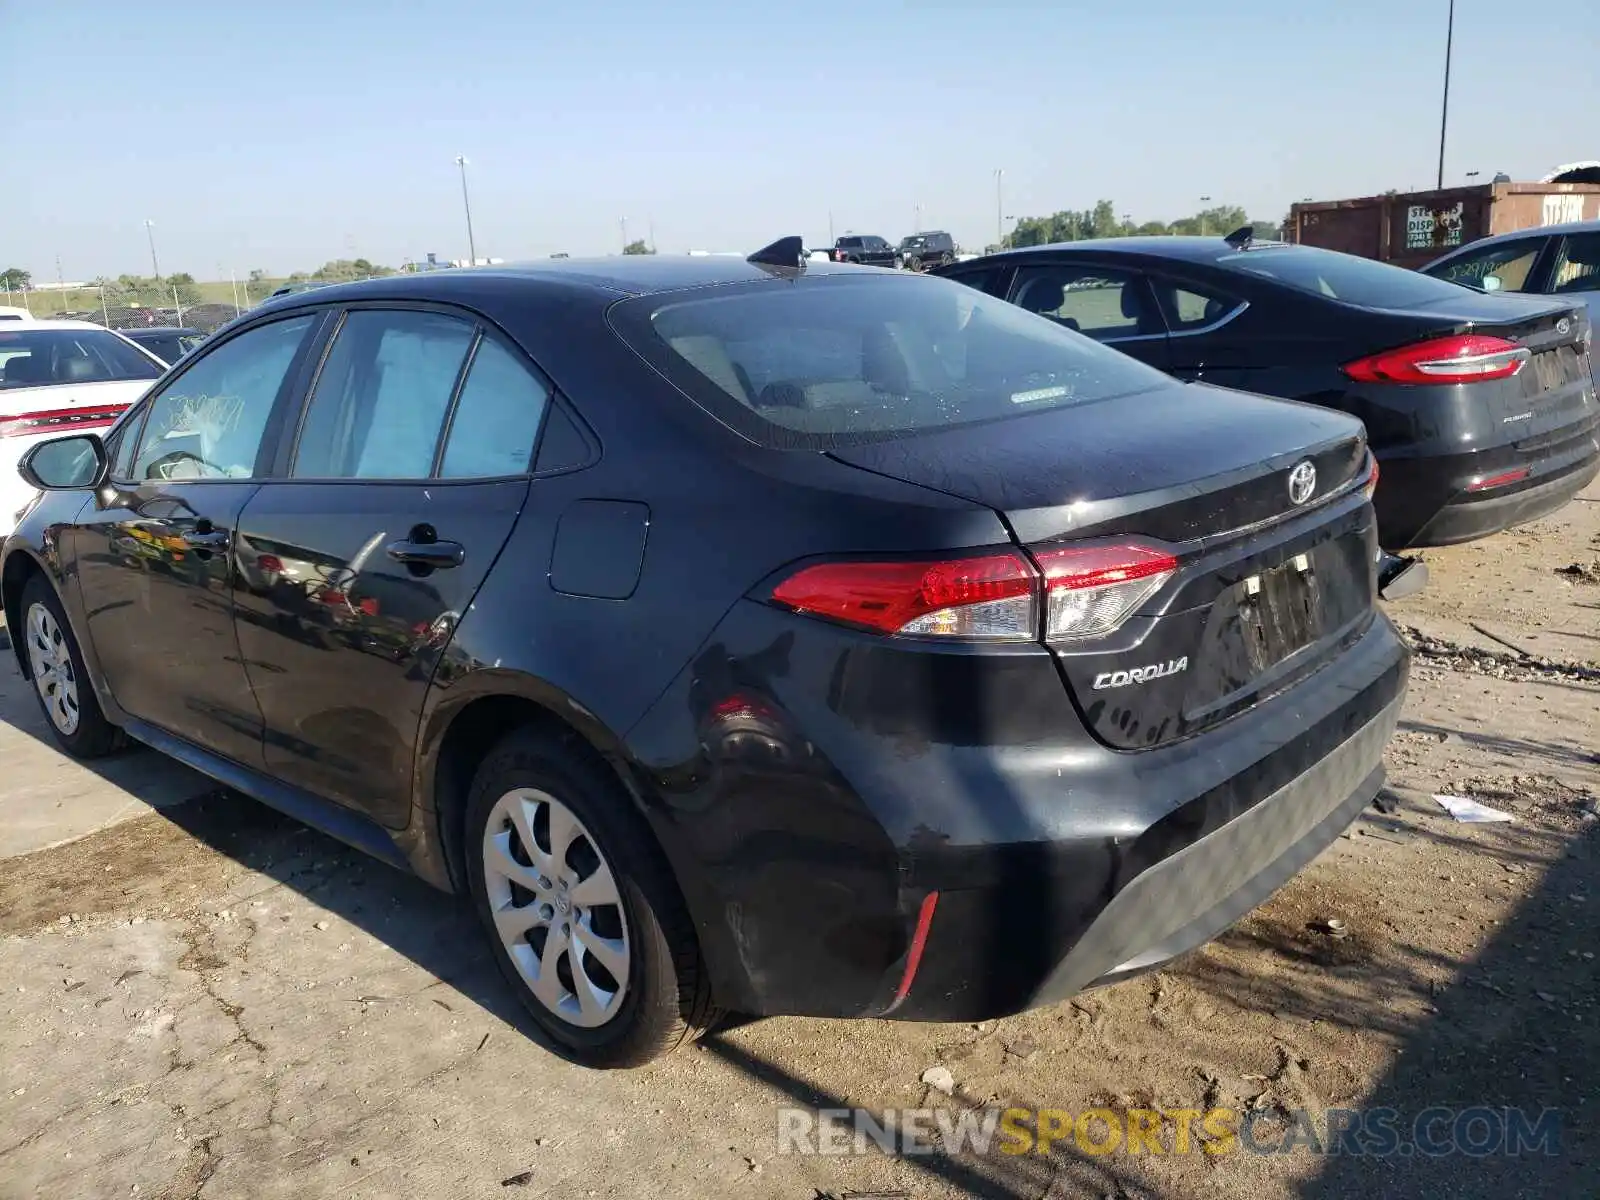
x=281, y=135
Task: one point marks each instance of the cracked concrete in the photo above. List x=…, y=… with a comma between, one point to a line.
x=173, y=1022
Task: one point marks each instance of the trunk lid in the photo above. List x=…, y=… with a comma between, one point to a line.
x=1555, y=389
x=62, y=408
x=1268, y=585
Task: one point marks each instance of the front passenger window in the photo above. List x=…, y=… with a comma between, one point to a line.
x=1105, y=304
x=208, y=422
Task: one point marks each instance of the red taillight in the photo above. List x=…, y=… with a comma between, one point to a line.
x=1372, y=480
x=1091, y=590
x=60, y=420
x=1468, y=358
x=988, y=598
x=1500, y=480
x=270, y=563
x=1087, y=590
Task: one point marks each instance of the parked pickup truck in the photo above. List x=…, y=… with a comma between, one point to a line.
x=865, y=248
x=935, y=248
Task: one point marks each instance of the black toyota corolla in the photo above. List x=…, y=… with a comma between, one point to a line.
x=1482, y=412
x=735, y=634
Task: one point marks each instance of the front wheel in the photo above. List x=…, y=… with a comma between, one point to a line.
x=60, y=681
x=583, y=916
x=914, y=264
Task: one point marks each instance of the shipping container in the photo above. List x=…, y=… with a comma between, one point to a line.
x=1411, y=229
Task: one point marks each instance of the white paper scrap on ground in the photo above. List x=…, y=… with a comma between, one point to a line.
x=1471, y=811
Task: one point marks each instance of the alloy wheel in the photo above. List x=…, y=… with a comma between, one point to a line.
x=556, y=907
x=50, y=660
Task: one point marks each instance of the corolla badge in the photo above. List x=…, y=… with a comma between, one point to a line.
x=1116, y=679
x=1302, y=481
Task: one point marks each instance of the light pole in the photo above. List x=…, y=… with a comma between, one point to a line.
x=624, y=223
x=1444, y=108
x=150, y=232
x=916, y=226
x=1204, y=200
x=999, y=208
x=466, y=203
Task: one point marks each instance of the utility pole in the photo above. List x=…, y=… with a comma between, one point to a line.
x=999, y=208
x=624, y=235
x=1444, y=108
x=1204, y=200
x=916, y=226
x=466, y=203
x=150, y=232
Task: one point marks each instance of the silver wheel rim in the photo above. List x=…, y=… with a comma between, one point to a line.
x=51, y=663
x=556, y=907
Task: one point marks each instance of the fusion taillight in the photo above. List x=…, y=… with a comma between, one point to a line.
x=990, y=598
x=1091, y=590
x=1084, y=590
x=1466, y=358
x=59, y=420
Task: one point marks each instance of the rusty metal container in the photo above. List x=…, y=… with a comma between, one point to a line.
x=1410, y=229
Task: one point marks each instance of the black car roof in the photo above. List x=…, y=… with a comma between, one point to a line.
x=159, y=330
x=1189, y=249
x=621, y=275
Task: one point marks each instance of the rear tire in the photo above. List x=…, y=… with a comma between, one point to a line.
x=60, y=680
x=581, y=911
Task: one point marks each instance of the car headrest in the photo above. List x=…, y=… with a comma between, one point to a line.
x=1042, y=295
x=27, y=368
x=76, y=370
x=882, y=363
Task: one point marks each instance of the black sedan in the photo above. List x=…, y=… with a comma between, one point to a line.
x=1481, y=409
x=168, y=343
x=735, y=634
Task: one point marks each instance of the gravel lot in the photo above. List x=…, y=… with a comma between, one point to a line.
x=209, y=1000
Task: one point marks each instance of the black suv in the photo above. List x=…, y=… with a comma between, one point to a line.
x=932, y=249
x=866, y=249
x=819, y=640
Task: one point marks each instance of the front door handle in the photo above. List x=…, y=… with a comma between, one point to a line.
x=427, y=554
x=206, y=539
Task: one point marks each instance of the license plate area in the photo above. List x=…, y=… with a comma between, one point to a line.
x=1555, y=369
x=1281, y=611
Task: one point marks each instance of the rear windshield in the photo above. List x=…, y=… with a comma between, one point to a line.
x=825, y=361
x=40, y=357
x=1341, y=276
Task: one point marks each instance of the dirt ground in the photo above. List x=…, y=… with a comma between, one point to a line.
x=211, y=1001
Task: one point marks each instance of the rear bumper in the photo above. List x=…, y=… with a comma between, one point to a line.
x=1472, y=516
x=1430, y=501
x=807, y=859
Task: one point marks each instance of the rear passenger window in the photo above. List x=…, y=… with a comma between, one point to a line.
x=1578, y=265
x=496, y=419
x=381, y=400
x=1189, y=309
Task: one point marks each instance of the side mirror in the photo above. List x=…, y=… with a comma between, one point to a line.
x=1490, y=283
x=65, y=464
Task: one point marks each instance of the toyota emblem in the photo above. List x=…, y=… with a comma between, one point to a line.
x=1302, y=481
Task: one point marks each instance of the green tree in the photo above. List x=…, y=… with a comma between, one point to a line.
x=1103, y=221
x=638, y=246
x=16, y=279
x=258, y=274
x=1153, y=229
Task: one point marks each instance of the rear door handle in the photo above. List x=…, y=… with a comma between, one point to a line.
x=428, y=554
x=206, y=539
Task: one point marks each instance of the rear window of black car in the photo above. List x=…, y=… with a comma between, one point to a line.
x=826, y=361
x=1343, y=277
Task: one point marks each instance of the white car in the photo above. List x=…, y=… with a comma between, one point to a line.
x=60, y=377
